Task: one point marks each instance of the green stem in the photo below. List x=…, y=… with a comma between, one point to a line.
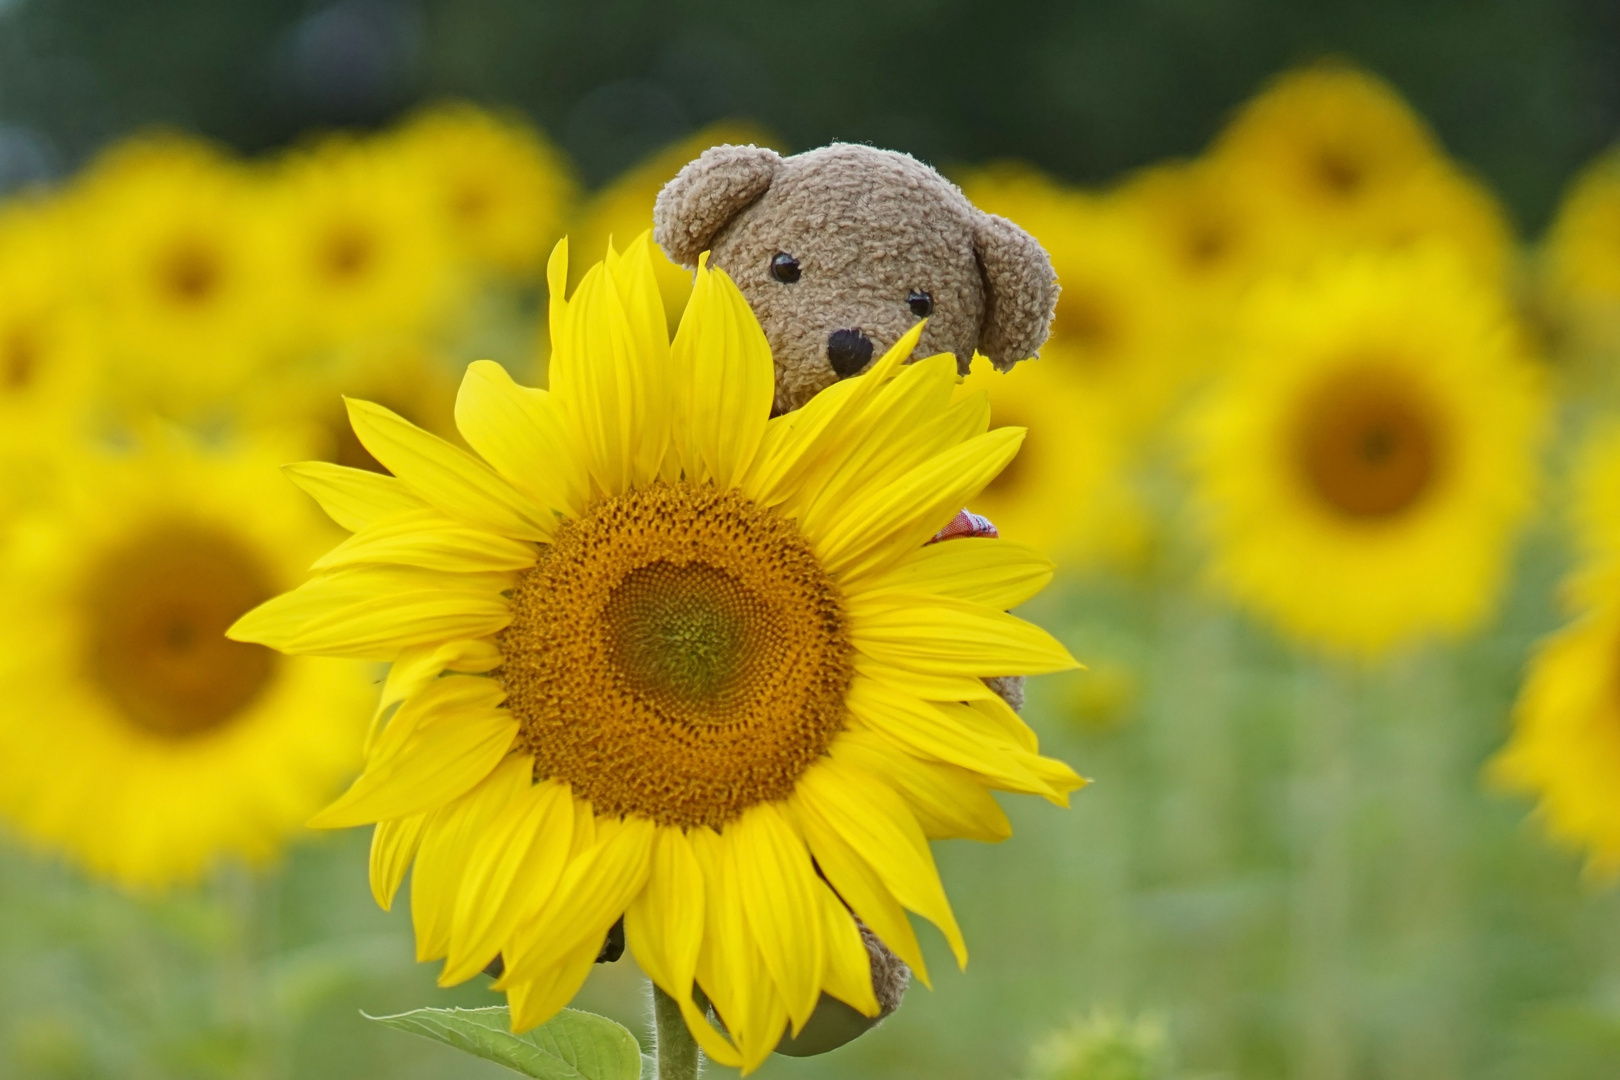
x=677, y=1052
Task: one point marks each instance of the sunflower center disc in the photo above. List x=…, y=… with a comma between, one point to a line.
x=1369, y=445
x=159, y=608
x=678, y=653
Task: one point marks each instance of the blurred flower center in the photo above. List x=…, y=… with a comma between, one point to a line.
x=348, y=253
x=1340, y=174
x=191, y=273
x=19, y=358
x=677, y=653
x=472, y=203
x=1087, y=321
x=1205, y=244
x=158, y=609
x=1368, y=444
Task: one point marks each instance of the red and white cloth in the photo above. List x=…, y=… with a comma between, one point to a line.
x=965, y=523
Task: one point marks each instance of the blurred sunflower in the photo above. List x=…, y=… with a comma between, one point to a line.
x=47, y=350
x=1364, y=464
x=721, y=660
x=1580, y=257
x=133, y=736
x=1120, y=333
x=173, y=247
x=1210, y=230
x=1067, y=492
x=1327, y=144
x=1336, y=157
x=502, y=190
x=362, y=250
x=1565, y=745
x=624, y=208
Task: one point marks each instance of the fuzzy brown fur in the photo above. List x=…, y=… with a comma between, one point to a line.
x=868, y=228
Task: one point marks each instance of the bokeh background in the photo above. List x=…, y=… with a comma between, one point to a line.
x=1293, y=863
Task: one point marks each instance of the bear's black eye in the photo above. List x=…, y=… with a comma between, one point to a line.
x=922, y=305
x=784, y=268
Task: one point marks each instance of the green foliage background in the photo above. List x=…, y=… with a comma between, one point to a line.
x=1293, y=862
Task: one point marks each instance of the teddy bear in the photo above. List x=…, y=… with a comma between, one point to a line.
x=840, y=250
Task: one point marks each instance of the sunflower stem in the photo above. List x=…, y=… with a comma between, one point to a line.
x=677, y=1051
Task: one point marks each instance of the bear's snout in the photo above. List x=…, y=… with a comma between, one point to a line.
x=848, y=351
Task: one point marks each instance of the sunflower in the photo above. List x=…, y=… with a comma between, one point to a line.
x=133, y=736
x=48, y=353
x=502, y=191
x=1210, y=230
x=175, y=256
x=625, y=207
x=1580, y=258
x=1328, y=145
x=362, y=251
x=1120, y=332
x=706, y=674
x=1068, y=491
x=1364, y=463
x=1565, y=746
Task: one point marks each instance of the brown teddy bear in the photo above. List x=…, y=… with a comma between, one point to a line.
x=841, y=250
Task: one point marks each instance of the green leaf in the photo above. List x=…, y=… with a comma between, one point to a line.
x=572, y=1045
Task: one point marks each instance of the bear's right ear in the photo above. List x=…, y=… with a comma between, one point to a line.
x=707, y=194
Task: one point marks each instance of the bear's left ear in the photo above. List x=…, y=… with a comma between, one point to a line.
x=1020, y=290
x=707, y=194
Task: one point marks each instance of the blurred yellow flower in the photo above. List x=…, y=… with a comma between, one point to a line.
x=1211, y=231
x=134, y=737
x=1120, y=333
x=705, y=670
x=1565, y=745
x=624, y=209
x=1580, y=259
x=1365, y=463
x=503, y=192
x=1067, y=493
x=171, y=240
x=48, y=349
x=1336, y=158
x=362, y=251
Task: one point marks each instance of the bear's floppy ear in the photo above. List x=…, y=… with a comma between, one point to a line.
x=707, y=194
x=1020, y=291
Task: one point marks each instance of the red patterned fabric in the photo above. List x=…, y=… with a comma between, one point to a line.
x=965, y=523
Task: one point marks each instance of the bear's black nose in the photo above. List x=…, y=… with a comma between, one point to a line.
x=848, y=351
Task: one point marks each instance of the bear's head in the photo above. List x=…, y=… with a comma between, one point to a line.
x=843, y=249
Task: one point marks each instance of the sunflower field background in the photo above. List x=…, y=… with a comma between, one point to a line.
x=1325, y=445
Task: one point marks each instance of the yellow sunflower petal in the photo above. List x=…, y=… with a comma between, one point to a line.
x=663, y=927
x=878, y=530
x=860, y=886
x=597, y=381
x=808, y=440
x=595, y=890
x=941, y=635
x=776, y=877
x=925, y=685
x=847, y=975
x=374, y=612
x=354, y=498
x=442, y=751
x=723, y=362
x=393, y=845
x=539, y=999
x=428, y=539
x=511, y=870
x=936, y=731
x=981, y=570
x=447, y=477
x=521, y=432
x=419, y=665
x=436, y=879
x=948, y=801
x=875, y=823
x=636, y=282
